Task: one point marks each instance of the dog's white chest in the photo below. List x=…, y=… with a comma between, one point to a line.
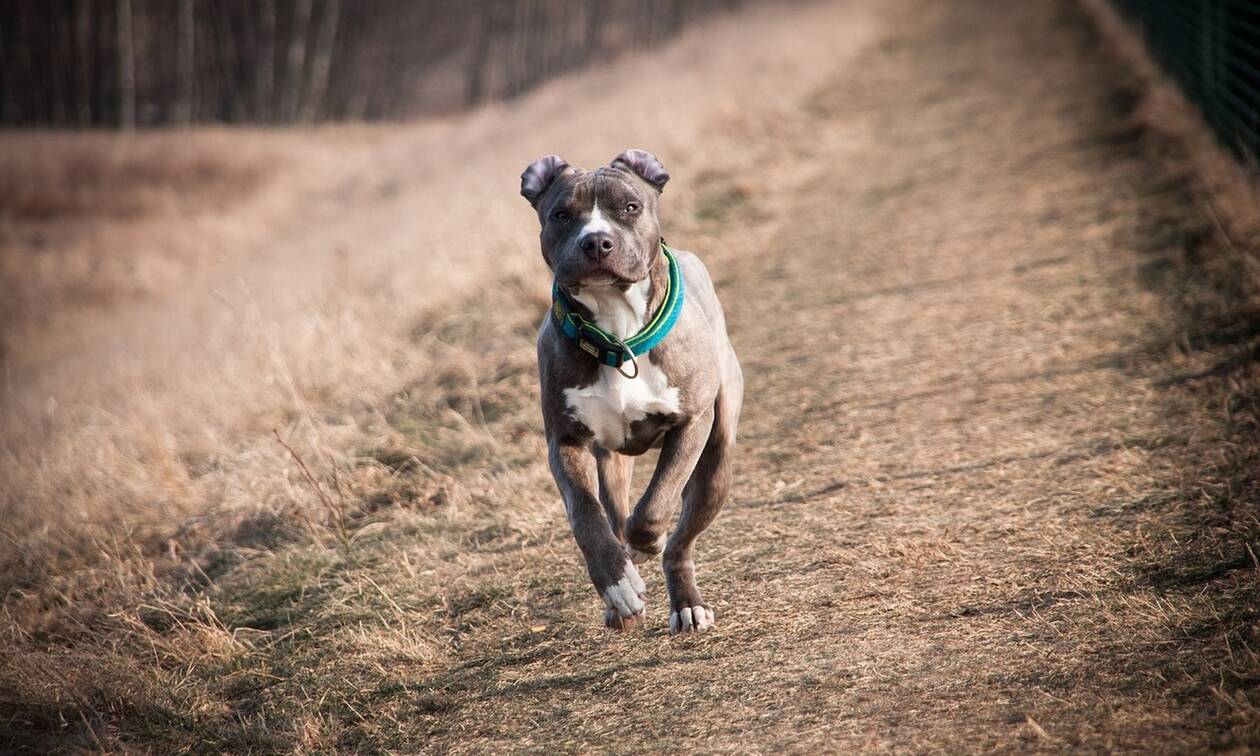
x=613, y=402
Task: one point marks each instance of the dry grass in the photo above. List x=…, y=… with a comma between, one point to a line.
x=92, y=221
x=320, y=307
x=138, y=467
x=1007, y=499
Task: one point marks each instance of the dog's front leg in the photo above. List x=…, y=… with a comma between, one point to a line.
x=645, y=528
x=614, y=575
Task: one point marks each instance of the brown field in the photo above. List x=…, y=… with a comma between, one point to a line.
x=997, y=298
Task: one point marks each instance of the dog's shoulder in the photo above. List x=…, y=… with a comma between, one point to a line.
x=699, y=287
x=560, y=363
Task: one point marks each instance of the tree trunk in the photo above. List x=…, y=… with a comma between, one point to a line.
x=594, y=32
x=8, y=81
x=652, y=22
x=515, y=63
x=533, y=44
x=235, y=105
x=295, y=68
x=265, y=76
x=321, y=64
x=126, y=67
x=57, y=74
x=675, y=18
x=475, y=86
x=185, y=68
x=542, y=48
x=83, y=56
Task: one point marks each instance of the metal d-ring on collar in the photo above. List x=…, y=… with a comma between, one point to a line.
x=634, y=360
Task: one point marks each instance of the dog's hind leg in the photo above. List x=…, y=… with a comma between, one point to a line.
x=615, y=471
x=703, y=498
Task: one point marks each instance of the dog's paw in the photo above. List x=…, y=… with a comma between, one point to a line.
x=691, y=619
x=639, y=554
x=624, y=600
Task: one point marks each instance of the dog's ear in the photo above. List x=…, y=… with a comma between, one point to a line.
x=538, y=176
x=645, y=165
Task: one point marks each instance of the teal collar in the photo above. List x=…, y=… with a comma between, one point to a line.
x=607, y=347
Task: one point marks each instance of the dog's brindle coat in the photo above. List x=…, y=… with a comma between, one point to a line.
x=601, y=239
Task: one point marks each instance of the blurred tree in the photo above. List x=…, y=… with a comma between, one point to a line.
x=185, y=70
x=295, y=66
x=314, y=98
x=126, y=66
x=594, y=28
x=128, y=63
x=489, y=27
x=83, y=52
x=265, y=68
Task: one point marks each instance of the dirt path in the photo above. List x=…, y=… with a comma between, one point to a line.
x=952, y=526
x=997, y=481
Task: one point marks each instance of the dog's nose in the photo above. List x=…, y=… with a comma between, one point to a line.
x=598, y=245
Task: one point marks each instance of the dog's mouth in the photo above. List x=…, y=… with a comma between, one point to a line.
x=603, y=278
x=600, y=276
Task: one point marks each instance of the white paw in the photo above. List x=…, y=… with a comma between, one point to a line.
x=691, y=619
x=624, y=599
x=639, y=557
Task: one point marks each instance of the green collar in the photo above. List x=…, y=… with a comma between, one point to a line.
x=607, y=347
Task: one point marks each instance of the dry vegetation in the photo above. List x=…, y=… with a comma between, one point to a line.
x=1006, y=497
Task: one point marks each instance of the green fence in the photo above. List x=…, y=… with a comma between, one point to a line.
x=1212, y=48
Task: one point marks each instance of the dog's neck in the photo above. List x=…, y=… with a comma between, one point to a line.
x=623, y=309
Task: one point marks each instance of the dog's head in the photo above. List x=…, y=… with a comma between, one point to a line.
x=598, y=227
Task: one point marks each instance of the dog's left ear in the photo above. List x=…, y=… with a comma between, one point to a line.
x=645, y=165
x=539, y=175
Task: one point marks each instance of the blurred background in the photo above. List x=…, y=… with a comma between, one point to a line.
x=175, y=62
x=170, y=62
x=1212, y=49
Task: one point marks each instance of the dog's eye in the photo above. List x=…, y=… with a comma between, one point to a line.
x=632, y=208
x=560, y=216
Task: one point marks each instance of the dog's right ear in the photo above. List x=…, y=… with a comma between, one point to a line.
x=537, y=177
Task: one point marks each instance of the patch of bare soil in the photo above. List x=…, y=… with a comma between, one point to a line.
x=998, y=483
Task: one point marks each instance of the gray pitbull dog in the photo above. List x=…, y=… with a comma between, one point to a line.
x=634, y=355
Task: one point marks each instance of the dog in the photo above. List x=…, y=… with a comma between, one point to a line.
x=633, y=355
